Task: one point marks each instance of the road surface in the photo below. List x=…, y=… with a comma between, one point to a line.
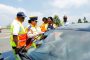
x=4, y=40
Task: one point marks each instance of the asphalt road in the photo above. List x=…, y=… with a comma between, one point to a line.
x=4, y=40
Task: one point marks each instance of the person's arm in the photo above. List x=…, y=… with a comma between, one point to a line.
x=15, y=33
x=30, y=34
x=15, y=38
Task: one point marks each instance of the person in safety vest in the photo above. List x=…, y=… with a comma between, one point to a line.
x=34, y=31
x=18, y=35
x=51, y=24
x=44, y=26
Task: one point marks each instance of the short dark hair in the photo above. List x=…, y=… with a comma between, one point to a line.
x=65, y=18
x=51, y=18
x=29, y=21
x=44, y=18
x=32, y=19
x=21, y=14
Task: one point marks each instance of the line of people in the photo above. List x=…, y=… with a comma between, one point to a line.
x=20, y=35
x=34, y=29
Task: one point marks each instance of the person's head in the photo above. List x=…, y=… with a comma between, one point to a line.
x=50, y=20
x=45, y=20
x=33, y=20
x=65, y=19
x=21, y=16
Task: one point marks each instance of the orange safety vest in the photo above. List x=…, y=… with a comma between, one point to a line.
x=22, y=40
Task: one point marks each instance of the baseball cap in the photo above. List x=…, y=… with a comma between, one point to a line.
x=21, y=14
x=33, y=18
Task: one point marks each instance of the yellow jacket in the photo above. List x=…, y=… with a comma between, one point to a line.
x=44, y=27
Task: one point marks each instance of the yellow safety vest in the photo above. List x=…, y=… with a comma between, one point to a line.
x=44, y=27
x=34, y=30
x=21, y=36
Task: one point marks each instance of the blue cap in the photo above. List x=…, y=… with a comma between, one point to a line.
x=21, y=14
x=33, y=18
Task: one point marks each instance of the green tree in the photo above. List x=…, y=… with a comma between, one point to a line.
x=85, y=20
x=79, y=21
x=57, y=20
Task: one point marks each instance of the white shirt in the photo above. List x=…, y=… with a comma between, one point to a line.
x=67, y=23
x=34, y=31
x=16, y=27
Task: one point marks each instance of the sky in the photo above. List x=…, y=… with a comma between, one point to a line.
x=74, y=9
